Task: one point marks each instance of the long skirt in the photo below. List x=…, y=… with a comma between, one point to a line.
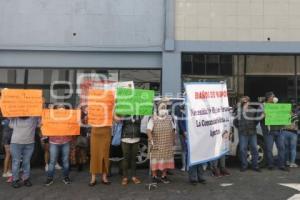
x=100, y=145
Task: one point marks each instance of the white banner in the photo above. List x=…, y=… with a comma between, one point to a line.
x=208, y=121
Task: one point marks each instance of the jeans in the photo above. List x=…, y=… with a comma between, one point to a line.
x=278, y=138
x=222, y=161
x=184, y=150
x=54, y=151
x=196, y=173
x=290, y=146
x=129, y=153
x=21, y=152
x=244, y=142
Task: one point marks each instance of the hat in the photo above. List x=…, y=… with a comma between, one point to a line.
x=269, y=94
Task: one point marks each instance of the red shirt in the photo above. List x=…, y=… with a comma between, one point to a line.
x=60, y=139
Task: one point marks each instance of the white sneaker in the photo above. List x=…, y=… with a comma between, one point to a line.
x=9, y=174
x=58, y=167
x=287, y=163
x=293, y=165
x=46, y=168
x=183, y=169
x=5, y=175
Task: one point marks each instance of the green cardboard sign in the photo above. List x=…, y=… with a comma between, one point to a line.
x=278, y=114
x=134, y=101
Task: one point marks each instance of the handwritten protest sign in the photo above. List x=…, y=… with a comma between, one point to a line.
x=21, y=102
x=278, y=114
x=134, y=101
x=60, y=122
x=208, y=121
x=100, y=107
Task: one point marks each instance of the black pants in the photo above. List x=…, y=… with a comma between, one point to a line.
x=129, y=152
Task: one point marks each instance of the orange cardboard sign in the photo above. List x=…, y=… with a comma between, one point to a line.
x=60, y=122
x=100, y=107
x=21, y=102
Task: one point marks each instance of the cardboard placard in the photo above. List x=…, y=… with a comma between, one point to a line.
x=60, y=122
x=278, y=114
x=100, y=107
x=134, y=102
x=21, y=102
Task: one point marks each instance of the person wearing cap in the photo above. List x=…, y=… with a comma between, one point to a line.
x=273, y=134
x=246, y=123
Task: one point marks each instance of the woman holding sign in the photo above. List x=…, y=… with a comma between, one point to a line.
x=161, y=136
x=100, y=145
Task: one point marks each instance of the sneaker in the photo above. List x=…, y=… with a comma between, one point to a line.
x=16, y=184
x=49, y=181
x=257, y=169
x=287, y=163
x=165, y=180
x=27, y=183
x=285, y=169
x=155, y=179
x=183, y=169
x=293, y=165
x=58, y=167
x=9, y=180
x=202, y=181
x=4, y=175
x=193, y=182
x=67, y=181
x=46, y=168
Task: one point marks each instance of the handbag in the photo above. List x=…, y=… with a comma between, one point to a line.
x=117, y=134
x=82, y=141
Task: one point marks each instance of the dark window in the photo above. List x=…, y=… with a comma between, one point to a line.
x=198, y=64
x=201, y=64
x=212, y=65
x=187, y=64
x=226, y=65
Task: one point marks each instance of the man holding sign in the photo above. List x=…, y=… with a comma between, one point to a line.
x=22, y=147
x=276, y=116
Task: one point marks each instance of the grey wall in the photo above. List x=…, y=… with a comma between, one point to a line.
x=71, y=59
x=28, y=24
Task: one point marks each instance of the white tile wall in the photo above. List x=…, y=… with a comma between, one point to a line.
x=238, y=20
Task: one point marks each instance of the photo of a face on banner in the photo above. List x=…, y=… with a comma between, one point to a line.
x=225, y=140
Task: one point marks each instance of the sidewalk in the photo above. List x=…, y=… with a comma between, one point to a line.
x=249, y=185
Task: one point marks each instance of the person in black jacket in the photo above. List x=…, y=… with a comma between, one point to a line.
x=246, y=123
x=273, y=134
x=130, y=144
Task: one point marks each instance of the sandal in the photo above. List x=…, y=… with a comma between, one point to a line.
x=136, y=180
x=124, y=181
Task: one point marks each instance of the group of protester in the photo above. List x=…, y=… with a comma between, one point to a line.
x=285, y=137
x=19, y=138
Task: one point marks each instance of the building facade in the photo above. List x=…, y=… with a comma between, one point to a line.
x=253, y=45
